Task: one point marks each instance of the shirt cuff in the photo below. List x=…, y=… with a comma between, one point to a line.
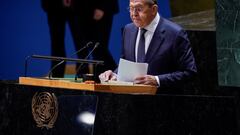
x=158, y=81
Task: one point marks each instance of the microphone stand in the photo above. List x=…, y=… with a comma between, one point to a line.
x=64, y=59
x=80, y=66
x=42, y=57
x=61, y=62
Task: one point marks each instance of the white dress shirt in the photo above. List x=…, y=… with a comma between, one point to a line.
x=148, y=37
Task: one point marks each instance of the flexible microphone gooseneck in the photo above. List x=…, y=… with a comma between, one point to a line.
x=80, y=66
x=61, y=62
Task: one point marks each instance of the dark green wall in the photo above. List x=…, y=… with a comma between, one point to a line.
x=228, y=42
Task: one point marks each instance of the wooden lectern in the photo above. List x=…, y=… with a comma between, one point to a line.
x=113, y=88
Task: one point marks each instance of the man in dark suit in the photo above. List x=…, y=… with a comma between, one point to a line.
x=163, y=45
x=103, y=17
x=78, y=16
x=83, y=17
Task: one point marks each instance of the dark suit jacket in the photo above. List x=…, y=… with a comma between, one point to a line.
x=108, y=6
x=169, y=54
x=84, y=8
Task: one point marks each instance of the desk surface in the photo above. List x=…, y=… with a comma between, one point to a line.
x=113, y=88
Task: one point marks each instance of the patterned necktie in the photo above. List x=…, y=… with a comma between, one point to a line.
x=141, y=46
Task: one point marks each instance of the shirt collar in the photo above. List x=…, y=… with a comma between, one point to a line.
x=153, y=25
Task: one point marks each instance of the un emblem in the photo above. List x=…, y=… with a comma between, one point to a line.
x=44, y=109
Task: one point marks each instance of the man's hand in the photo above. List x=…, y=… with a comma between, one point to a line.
x=98, y=14
x=108, y=75
x=146, y=80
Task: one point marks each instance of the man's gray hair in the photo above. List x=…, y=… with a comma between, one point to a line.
x=152, y=1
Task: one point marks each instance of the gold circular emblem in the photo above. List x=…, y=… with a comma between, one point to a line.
x=44, y=109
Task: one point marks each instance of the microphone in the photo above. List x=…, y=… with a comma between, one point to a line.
x=80, y=66
x=61, y=62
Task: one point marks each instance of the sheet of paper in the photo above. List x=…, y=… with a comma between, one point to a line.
x=110, y=82
x=128, y=71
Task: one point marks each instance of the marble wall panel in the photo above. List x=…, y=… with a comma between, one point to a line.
x=228, y=42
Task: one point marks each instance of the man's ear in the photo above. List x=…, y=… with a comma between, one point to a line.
x=155, y=9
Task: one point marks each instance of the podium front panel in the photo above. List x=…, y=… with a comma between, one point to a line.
x=115, y=114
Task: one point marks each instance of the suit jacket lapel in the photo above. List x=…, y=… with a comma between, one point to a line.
x=156, y=42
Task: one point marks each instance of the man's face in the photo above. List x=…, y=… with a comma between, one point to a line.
x=141, y=12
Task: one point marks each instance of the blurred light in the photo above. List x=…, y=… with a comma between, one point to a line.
x=86, y=117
